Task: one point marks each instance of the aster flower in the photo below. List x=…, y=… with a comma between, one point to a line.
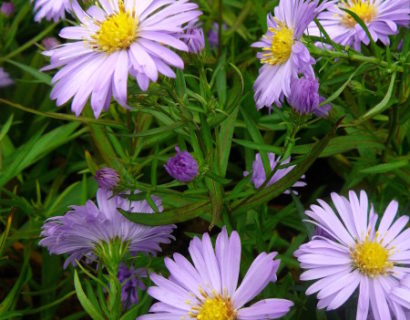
x=81, y=231
x=50, y=43
x=51, y=9
x=213, y=34
x=283, y=55
x=115, y=39
x=5, y=79
x=208, y=288
x=107, y=178
x=259, y=174
x=130, y=280
x=183, y=167
x=359, y=254
x=7, y=9
x=193, y=36
x=305, y=98
x=382, y=18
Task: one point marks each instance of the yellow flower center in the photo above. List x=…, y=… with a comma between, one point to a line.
x=215, y=308
x=117, y=32
x=282, y=42
x=363, y=9
x=371, y=258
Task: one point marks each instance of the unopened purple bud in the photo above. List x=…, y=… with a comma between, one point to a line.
x=213, y=35
x=50, y=43
x=107, y=178
x=183, y=167
x=193, y=38
x=7, y=9
x=130, y=280
x=305, y=98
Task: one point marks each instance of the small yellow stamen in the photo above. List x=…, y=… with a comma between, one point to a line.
x=371, y=258
x=214, y=308
x=281, y=48
x=364, y=10
x=117, y=32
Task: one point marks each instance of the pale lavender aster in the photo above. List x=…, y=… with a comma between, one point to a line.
x=107, y=178
x=51, y=9
x=207, y=288
x=50, y=43
x=182, y=167
x=5, y=79
x=116, y=39
x=130, y=280
x=304, y=97
x=7, y=9
x=382, y=18
x=193, y=36
x=360, y=255
x=259, y=174
x=83, y=228
x=283, y=55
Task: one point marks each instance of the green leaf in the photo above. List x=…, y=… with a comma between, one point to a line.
x=385, y=103
x=85, y=302
x=171, y=216
x=386, y=167
x=6, y=127
x=42, y=77
x=224, y=141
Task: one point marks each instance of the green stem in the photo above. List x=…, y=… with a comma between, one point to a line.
x=354, y=57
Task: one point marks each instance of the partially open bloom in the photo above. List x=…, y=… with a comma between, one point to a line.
x=115, y=39
x=207, y=289
x=7, y=8
x=51, y=9
x=359, y=254
x=5, y=79
x=193, y=36
x=305, y=98
x=130, y=280
x=283, y=56
x=107, y=178
x=259, y=174
x=382, y=18
x=183, y=167
x=50, y=43
x=81, y=231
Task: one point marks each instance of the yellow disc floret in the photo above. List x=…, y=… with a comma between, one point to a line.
x=362, y=8
x=214, y=308
x=281, y=48
x=371, y=258
x=117, y=32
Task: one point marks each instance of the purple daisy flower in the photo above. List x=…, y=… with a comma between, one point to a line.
x=7, y=9
x=382, y=18
x=130, y=280
x=183, y=167
x=115, y=39
x=107, y=178
x=51, y=9
x=283, y=55
x=81, y=230
x=358, y=254
x=259, y=174
x=5, y=79
x=305, y=98
x=193, y=36
x=213, y=38
x=208, y=288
